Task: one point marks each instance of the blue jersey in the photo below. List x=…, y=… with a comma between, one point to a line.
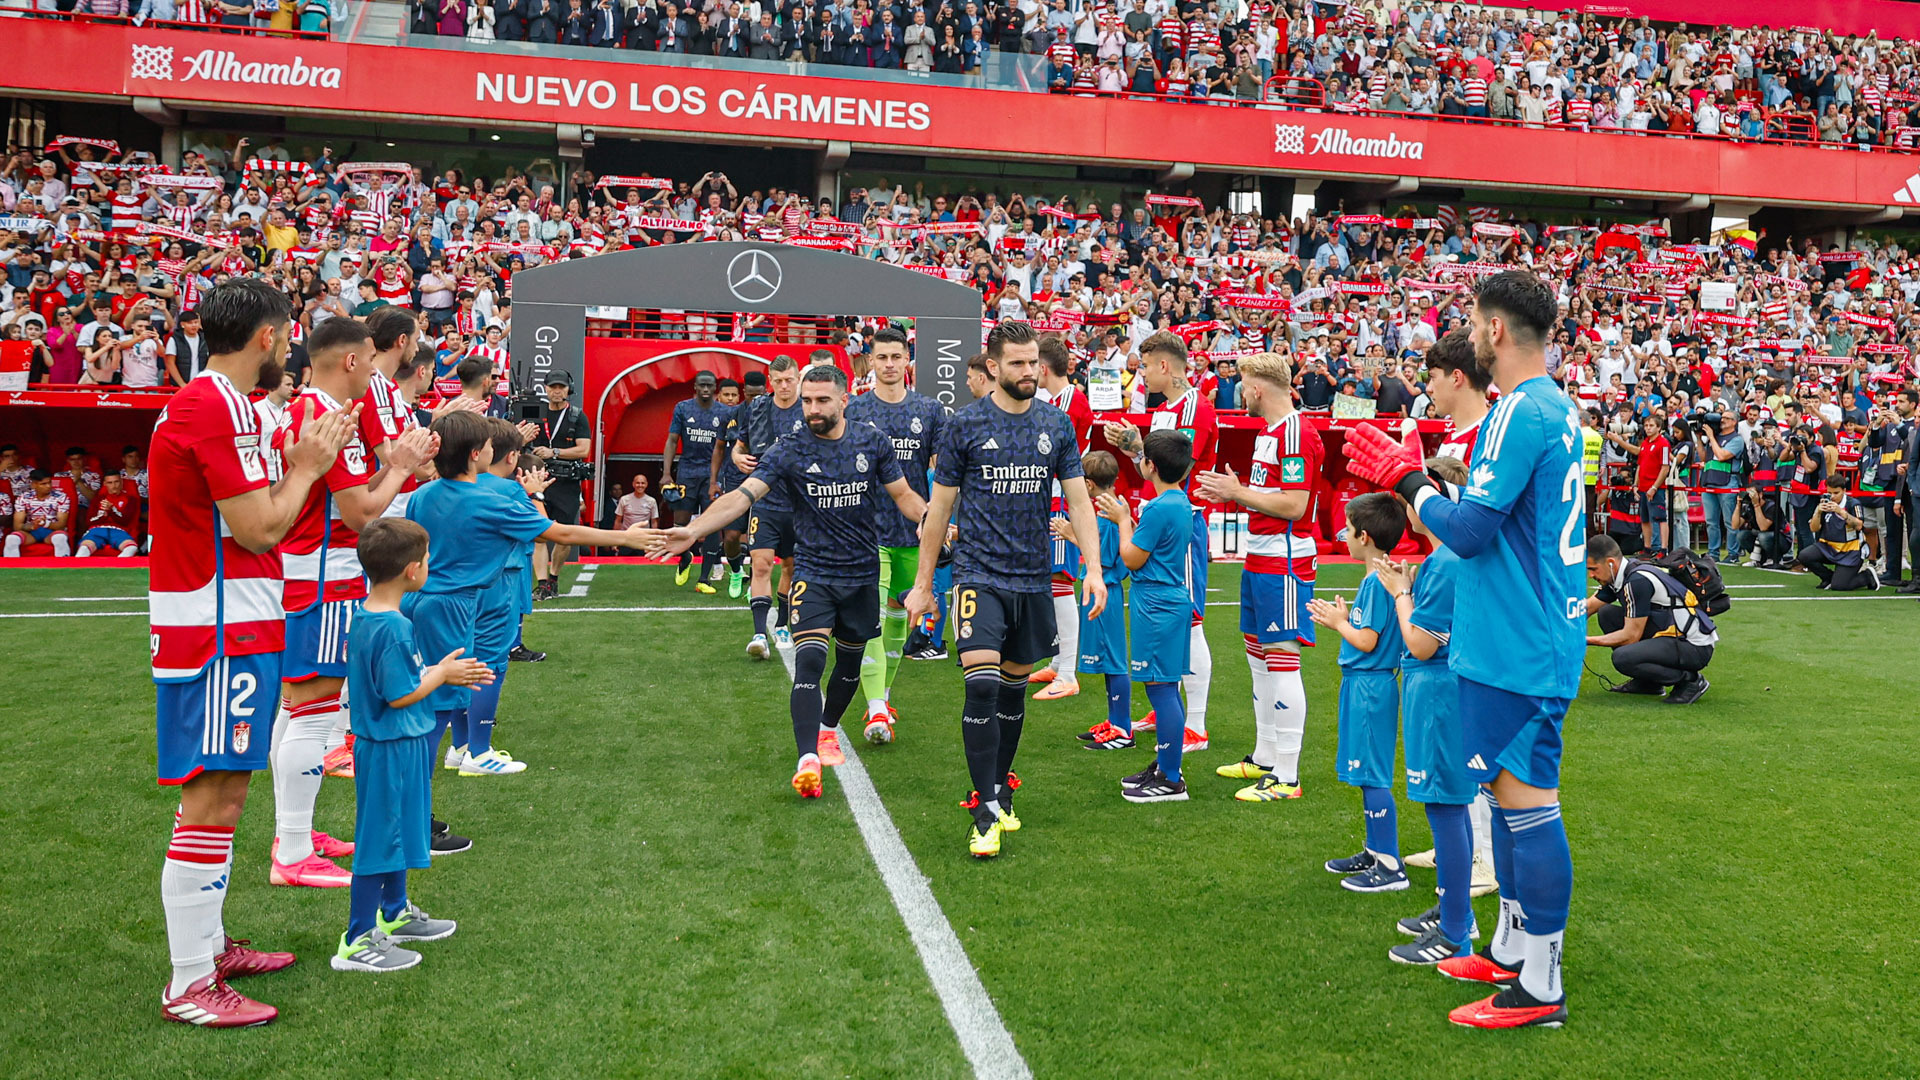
x=761, y=419
x=1373, y=610
x=472, y=530
x=1004, y=465
x=1164, y=532
x=1522, y=628
x=511, y=489
x=914, y=426
x=698, y=429
x=730, y=474
x=1112, y=567
x=835, y=487
x=1433, y=601
x=384, y=665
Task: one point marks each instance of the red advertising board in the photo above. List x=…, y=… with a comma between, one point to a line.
x=474, y=87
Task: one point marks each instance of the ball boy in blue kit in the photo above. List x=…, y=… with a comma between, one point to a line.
x=1369, y=694
x=392, y=753
x=1436, y=767
x=1160, y=606
x=1103, y=637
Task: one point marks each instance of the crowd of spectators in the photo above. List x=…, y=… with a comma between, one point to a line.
x=105, y=254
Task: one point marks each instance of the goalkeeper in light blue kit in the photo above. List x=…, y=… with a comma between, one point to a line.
x=1519, y=635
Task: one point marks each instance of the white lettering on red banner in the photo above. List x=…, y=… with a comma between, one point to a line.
x=1292, y=139
x=555, y=91
x=158, y=63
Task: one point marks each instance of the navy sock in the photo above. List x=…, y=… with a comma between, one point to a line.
x=1010, y=709
x=786, y=611
x=761, y=606
x=686, y=559
x=844, y=682
x=809, y=664
x=482, y=712
x=1120, y=702
x=393, y=894
x=1383, y=822
x=980, y=734
x=1453, y=860
x=1170, y=731
x=363, y=900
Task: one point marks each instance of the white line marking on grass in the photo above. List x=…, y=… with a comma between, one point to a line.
x=96, y=599
x=983, y=1036
x=70, y=614
x=581, y=581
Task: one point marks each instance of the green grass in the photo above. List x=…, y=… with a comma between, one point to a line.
x=649, y=899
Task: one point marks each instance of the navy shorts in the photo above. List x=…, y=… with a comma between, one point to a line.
x=1515, y=732
x=1017, y=625
x=850, y=613
x=1430, y=716
x=317, y=641
x=1161, y=624
x=221, y=719
x=1369, y=727
x=393, y=803
x=770, y=530
x=1273, y=608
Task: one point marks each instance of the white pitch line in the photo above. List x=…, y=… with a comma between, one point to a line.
x=983, y=1036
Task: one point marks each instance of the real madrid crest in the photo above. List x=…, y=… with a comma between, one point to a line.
x=1046, y=443
x=915, y=426
x=860, y=462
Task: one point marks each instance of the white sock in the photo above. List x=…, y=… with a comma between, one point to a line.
x=1066, y=618
x=13, y=545
x=1264, y=750
x=297, y=774
x=86, y=549
x=1200, y=659
x=1541, y=975
x=193, y=886
x=1289, y=717
x=1509, y=937
x=876, y=705
x=337, y=735
x=62, y=545
x=1481, y=815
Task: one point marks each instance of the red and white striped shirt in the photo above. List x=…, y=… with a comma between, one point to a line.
x=127, y=211
x=1287, y=456
x=319, y=557
x=1474, y=91
x=207, y=596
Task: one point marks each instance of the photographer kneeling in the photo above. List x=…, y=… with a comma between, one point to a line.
x=1659, y=634
x=1837, y=552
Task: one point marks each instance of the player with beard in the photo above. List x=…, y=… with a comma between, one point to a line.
x=998, y=458
x=218, y=627
x=832, y=471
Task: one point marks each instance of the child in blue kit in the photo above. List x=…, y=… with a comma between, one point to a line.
x=1160, y=607
x=474, y=529
x=1369, y=694
x=1103, y=638
x=392, y=753
x=497, y=622
x=1436, y=763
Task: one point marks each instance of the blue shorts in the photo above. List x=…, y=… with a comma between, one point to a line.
x=221, y=719
x=1103, y=641
x=1199, y=555
x=317, y=641
x=1369, y=726
x=1066, y=555
x=443, y=622
x=1430, y=715
x=498, y=615
x=393, y=803
x=104, y=537
x=1273, y=608
x=1515, y=732
x=518, y=574
x=1161, y=623
x=40, y=535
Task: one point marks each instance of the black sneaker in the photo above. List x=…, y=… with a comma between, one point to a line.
x=1376, y=878
x=1635, y=686
x=1428, y=921
x=928, y=652
x=1352, y=864
x=525, y=655
x=1427, y=949
x=1912, y=586
x=543, y=591
x=1140, y=777
x=1155, y=788
x=1688, y=692
x=445, y=842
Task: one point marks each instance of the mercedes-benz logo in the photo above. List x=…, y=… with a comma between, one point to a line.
x=753, y=276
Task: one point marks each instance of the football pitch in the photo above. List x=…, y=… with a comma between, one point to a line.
x=650, y=899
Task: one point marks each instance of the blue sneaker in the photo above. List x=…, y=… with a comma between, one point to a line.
x=1427, y=949
x=1352, y=864
x=1376, y=878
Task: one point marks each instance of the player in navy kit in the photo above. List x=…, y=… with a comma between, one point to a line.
x=754, y=428
x=726, y=475
x=912, y=422
x=999, y=457
x=1519, y=635
x=691, y=434
x=831, y=472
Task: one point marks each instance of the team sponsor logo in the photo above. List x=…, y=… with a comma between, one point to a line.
x=159, y=64
x=1293, y=470
x=754, y=276
x=1292, y=139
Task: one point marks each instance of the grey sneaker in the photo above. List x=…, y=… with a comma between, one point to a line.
x=415, y=925
x=1428, y=948
x=373, y=951
x=1376, y=878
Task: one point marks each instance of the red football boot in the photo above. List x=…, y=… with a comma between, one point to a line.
x=212, y=1003
x=239, y=961
x=1511, y=1008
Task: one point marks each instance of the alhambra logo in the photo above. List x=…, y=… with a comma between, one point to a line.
x=1292, y=139
x=158, y=63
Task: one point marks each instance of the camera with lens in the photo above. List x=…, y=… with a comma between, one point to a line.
x=1704, y=423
